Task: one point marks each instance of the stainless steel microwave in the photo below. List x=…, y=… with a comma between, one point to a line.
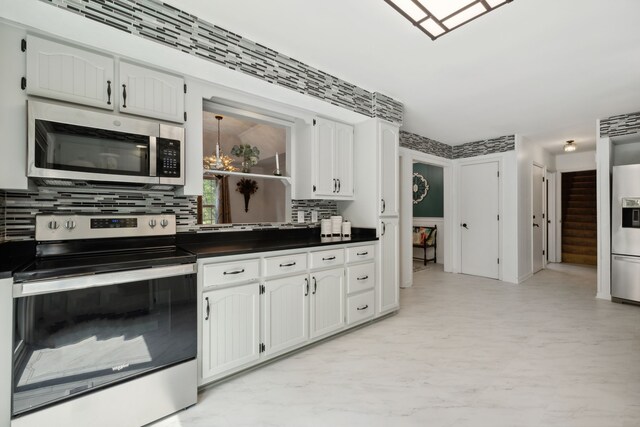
x=70, y=145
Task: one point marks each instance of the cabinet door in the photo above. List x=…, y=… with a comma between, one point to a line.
x=388, y=286
x=230, y=328
x=150, y=93
x=344, y=159
x=327, y=301
x=323, y=157
x=286, y=313
x=388, y=139
x=70, y=74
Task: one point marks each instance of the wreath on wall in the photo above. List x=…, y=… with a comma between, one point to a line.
x=420, y=188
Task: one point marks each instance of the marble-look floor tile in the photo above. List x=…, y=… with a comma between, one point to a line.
x=462, y=352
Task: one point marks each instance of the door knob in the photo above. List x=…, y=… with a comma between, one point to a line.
x=536, y=225
x=464, y=225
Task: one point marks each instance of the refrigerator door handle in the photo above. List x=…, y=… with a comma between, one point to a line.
x=633, y=259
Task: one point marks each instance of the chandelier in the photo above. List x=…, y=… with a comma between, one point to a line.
x=219, y=160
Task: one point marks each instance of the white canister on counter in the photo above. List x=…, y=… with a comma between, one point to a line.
x=325, y=228
x=346, y=230
x=336, y=225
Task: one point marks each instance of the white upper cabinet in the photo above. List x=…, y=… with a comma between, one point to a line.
x=150, y=93
x=324, y=161
x=388, y=157
x=70, y=74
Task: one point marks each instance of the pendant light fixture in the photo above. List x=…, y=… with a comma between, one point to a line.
x=219, y=161
x=570, y=146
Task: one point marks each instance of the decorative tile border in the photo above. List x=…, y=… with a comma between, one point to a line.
x=423, y=144
x=486, y=146
x=172, y=27
x=623, y=124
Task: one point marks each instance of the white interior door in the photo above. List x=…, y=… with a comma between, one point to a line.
x=538, y=220
x=479, y=222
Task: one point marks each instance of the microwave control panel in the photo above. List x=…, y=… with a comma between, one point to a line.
x=168, y=158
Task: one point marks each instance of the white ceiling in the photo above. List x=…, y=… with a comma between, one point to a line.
x=544, y=69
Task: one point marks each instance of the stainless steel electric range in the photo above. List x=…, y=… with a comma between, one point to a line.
x=104, y=323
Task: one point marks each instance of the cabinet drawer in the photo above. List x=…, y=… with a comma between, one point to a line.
x=360, y=277
x=360, y=253
x=360, y=307
x=231, y=272
x=275, y=266
x=328, y=258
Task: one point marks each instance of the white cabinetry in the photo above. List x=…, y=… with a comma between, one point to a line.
x=388, y=267
x=230, y=329
x=67, y=73
x=58, y=71
x=324, y=161
x=388, y=140
x=150, y=93
x=286, y=318
x=327, y=302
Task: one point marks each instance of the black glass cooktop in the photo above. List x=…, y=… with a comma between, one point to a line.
x=101, y=262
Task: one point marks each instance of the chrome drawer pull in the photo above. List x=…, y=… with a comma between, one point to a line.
x=234, y=271
x=362, y=253
x=329, y=258
x=289, y=264
x=363, y=307
x=362, y=278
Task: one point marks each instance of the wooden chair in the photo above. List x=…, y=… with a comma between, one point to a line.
x=426, y=237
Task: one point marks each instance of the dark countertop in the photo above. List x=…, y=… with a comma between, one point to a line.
x=14, y=255
x=206, y=245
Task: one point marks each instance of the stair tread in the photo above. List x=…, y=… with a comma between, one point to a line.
x=580, y=259
x=579, y=250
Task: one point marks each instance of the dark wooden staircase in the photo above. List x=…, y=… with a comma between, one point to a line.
x=579, y=218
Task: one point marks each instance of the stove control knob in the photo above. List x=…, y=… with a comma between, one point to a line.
x=53, y=225
x=152, y=223
x=70, y=225
x=164, y=223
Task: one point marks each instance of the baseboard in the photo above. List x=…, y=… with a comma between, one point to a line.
x=525, y=277
x=604, y=295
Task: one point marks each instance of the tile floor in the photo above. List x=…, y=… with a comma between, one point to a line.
x=463, y=351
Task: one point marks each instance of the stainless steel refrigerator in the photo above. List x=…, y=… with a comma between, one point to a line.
x=625, y=233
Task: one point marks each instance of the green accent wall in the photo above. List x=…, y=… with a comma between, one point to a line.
x=433, y=203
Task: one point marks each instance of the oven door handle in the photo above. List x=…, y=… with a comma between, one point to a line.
x=38, y=287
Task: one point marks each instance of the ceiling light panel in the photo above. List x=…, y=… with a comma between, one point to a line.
x=437, y=17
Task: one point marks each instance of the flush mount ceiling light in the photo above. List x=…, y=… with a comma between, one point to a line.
x=570, y=146
x=437, y=17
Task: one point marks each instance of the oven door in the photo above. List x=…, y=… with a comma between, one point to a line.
x=76, y=335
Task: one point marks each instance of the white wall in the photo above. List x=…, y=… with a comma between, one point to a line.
x=528, y=153
x=576, y=161
x=603, y=202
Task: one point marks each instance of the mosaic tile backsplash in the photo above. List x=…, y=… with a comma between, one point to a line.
x=623, y=124
x=18, y=209
x=426, y=145
x=172, y=27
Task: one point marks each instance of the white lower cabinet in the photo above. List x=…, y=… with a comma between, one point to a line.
x=286, y=313
x=327, y=301
x=274, y=302
x=230, y=329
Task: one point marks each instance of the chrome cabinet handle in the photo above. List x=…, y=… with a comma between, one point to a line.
x=335, y=185
x=339, y=185
x=329, y=258
x=536, y=225
x=384, y=228
x=362, y=278
x=108, y=92
x=234, y=271
x=384, y=205
x=307, y=285
x=363, y=307
x=124, y=96
x=288, y=264
x=208, y=309
x=362, y=253
x=315, y=285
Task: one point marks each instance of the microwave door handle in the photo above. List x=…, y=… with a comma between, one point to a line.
x=153, y=159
